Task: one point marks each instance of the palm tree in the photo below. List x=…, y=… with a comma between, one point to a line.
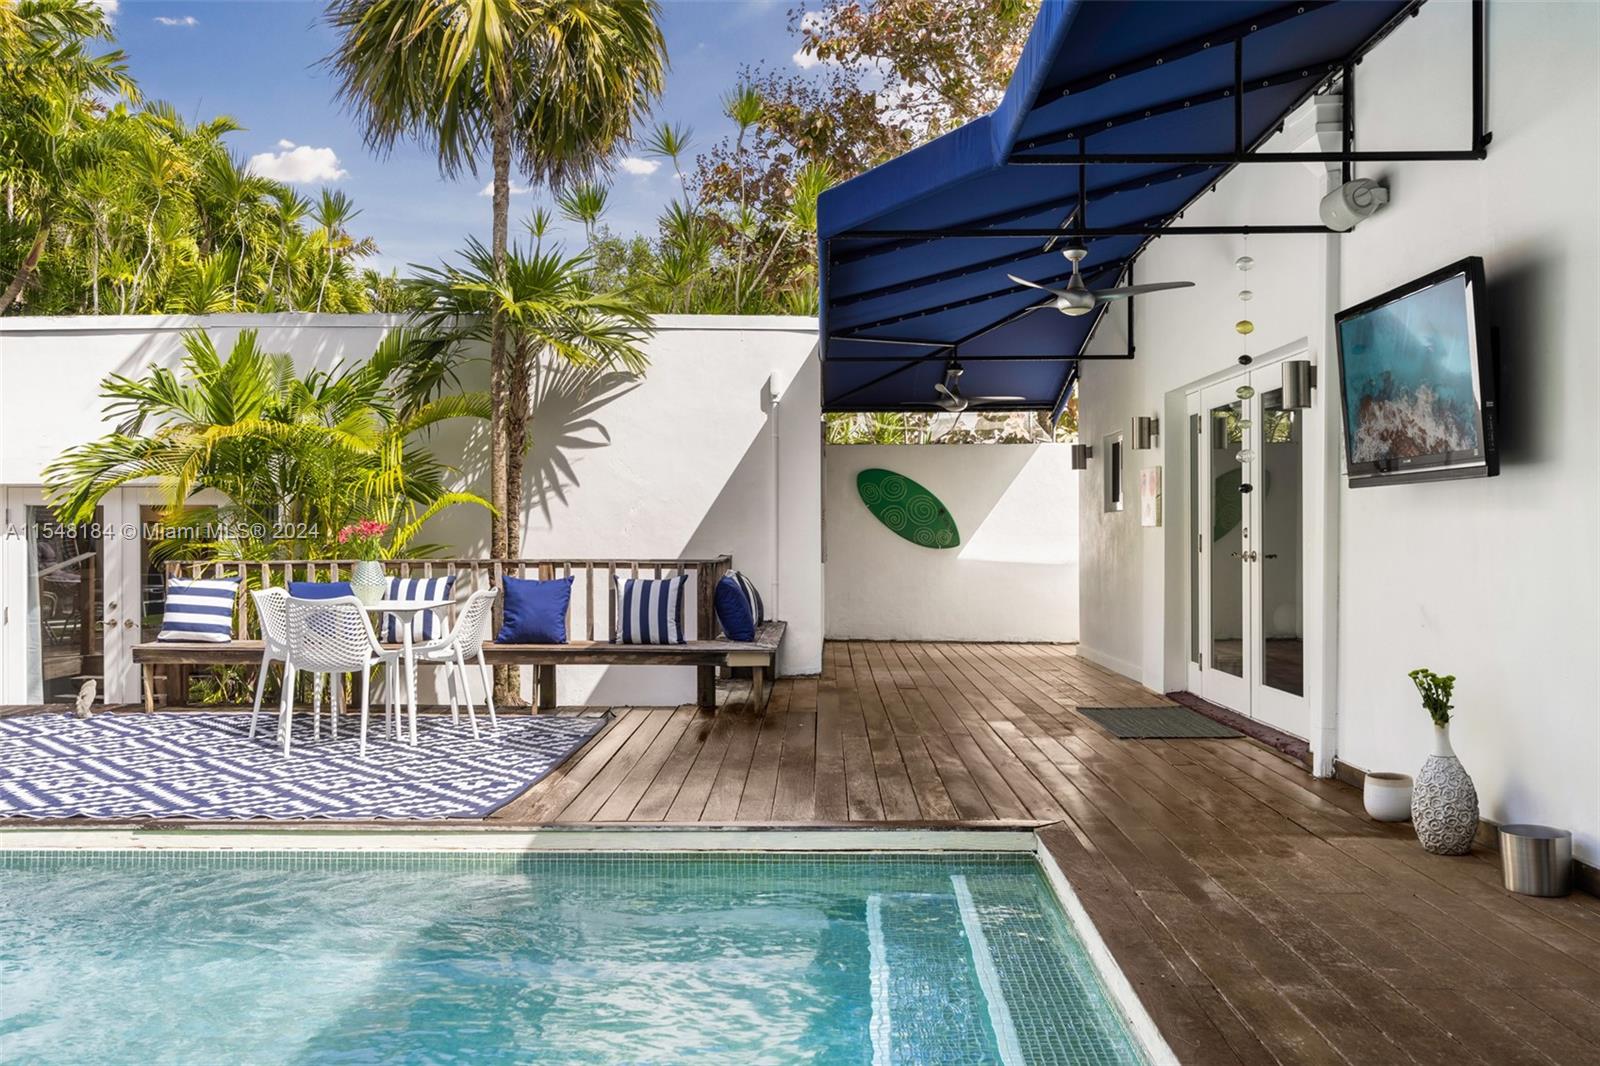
x=333, y=214
x=584, y=203
x=48, y=113
x=313, y=452
x=550, y=86
x=550, y=315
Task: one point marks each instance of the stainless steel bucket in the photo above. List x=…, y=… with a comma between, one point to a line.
x=1536, y=860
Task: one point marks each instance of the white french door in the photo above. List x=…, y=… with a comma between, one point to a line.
x=1248, y=469
x=72, y=599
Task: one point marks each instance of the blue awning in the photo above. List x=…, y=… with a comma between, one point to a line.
x=901, y=296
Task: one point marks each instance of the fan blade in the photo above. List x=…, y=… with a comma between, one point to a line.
x=948, y=400
x=1135, y=290
x=996, y=399
x=1036, y=285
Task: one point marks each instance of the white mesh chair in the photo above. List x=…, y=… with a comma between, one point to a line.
x=272, y=608
x=463, y=642
x=332, y=636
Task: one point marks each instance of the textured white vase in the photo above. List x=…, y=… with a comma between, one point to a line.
x=1444, y=804
x=368, y=582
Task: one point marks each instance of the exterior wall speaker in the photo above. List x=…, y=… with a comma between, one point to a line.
x=1299, y=376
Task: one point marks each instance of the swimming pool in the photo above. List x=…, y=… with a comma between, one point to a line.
x=355, y=957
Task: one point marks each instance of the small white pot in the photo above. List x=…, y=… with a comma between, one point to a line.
x=1388, y=797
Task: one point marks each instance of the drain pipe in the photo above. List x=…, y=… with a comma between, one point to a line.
x=775, y=413
x=1335, y=133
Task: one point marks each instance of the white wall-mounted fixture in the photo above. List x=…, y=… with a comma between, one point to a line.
x=1299, y=378
x=1145, y=431
x=1351, y=202
x=1081, y=454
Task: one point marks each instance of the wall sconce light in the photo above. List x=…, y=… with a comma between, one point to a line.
x=1299, y=376
x=1081, y=454
x=1145, y=432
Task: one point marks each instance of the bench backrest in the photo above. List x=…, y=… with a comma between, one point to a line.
x=593, y=609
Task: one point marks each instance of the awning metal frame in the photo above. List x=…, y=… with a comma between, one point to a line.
x=1181, y=165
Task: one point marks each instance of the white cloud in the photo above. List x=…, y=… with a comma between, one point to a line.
x=108, y=6
x=642, y=167
x=817, y=23
x=297, y=164
x=186, y=20
x=516, y=190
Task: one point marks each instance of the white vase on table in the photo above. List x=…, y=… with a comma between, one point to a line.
x=368, y=582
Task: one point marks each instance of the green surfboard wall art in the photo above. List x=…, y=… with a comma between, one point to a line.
x=907, y=508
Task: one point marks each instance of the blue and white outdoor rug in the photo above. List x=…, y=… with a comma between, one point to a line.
x=204, y=765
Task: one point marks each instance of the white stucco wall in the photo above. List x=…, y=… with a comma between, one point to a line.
x=691, y=460
x=1015, y=574
x=1496, y=581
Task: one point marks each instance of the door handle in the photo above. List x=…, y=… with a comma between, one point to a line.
x=127, y=623
x=1248, y=556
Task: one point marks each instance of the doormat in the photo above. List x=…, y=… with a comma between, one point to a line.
x=1157, y=723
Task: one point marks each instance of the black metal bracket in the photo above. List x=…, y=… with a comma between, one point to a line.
x=1242, y=153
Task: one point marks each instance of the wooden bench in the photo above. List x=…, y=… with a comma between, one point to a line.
x=593, y=586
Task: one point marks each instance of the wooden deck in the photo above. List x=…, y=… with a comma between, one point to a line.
x=1257, y=911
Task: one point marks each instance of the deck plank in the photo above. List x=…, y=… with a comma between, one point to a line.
x=1261, y=916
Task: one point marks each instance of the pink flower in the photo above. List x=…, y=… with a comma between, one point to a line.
x=364, y=530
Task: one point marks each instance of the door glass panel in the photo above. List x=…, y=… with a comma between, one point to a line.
x=65, y=608
x=1281, y=538
x=1195, y=541
x=152, y=575
x=1225, y=438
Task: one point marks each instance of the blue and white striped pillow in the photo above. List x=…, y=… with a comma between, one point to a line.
x=739, y=606
x=199, y=609
x=650, y=611
x=425, y=625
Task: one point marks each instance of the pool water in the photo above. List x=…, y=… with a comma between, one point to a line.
x=251, y=957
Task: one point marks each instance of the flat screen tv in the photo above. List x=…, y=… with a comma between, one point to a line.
x=1416, y=377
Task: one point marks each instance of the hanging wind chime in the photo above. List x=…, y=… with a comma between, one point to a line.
x=1244, y=327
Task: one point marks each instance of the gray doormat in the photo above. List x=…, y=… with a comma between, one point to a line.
x=1156, y=723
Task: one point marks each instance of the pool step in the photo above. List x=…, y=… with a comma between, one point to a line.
x=934, y=984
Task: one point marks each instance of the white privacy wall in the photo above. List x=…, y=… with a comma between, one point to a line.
x=692, y=459
x=1015, y=574
x=1496, y=581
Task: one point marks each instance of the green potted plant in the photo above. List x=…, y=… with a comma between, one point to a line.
x=1444, y=802
x=364, y=541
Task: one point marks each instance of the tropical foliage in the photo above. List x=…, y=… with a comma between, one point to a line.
x=551, y=315
x=887, y=76
x=113, y=205
x=971, y=427
x=551, y=87
x=294, y=457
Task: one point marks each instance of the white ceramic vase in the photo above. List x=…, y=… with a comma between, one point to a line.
x=368, y=582
x=1387, y=797
x=1444, y=803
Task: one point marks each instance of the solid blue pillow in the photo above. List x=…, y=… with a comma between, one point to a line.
x=535, y=612
x=319, y=590
x=739, y=606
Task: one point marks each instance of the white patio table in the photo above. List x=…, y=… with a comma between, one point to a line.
x=406, y=611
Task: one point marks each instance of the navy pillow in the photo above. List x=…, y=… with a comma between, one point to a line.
x=739, y=606
x=535, y=612
x=319, y=590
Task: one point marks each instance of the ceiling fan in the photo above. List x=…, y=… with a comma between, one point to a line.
x=1077, y=298
x=951, y=399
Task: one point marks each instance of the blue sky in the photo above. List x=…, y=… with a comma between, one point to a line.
x=257, y=60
